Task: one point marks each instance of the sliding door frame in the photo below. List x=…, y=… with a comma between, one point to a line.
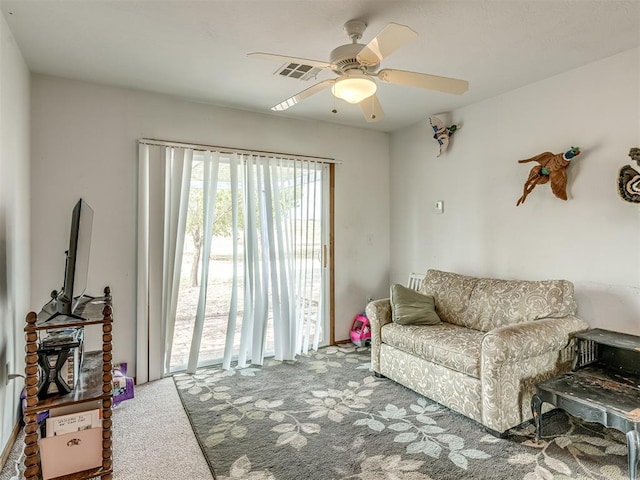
x=332, y=279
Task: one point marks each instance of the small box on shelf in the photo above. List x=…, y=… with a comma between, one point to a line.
x=60, y=356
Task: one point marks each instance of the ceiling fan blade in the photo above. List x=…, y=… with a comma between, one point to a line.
x=391, y=38
x=371, y=109
x=298, y=97
x=285, y=58
x=423, y=80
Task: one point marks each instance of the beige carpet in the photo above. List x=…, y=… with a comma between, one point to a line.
x=152, y=438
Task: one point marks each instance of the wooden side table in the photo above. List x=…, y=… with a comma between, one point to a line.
x=603, y=388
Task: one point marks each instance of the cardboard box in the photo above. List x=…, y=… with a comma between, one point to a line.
x=71, y=452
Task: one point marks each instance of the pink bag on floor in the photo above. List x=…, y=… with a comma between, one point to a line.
x=361, y=331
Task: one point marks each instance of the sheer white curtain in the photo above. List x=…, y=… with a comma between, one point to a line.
x=164, y=176
x=269, y=266
x=277, y=248
x=210, y=188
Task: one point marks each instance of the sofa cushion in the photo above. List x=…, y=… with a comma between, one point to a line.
x=451, y=292
x=409, y=307
x=449, y=345
x=486, y=303
x=498, y=303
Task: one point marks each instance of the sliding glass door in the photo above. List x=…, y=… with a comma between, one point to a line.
x=255, y=270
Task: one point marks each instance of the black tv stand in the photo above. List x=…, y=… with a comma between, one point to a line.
x=50, y=310
x=58, y=314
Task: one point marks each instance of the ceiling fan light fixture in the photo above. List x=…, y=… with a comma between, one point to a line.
x=354, y=87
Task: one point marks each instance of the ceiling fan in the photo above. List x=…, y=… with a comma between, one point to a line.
x=357, y=66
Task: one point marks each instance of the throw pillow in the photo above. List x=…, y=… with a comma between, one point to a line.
x=409, y=307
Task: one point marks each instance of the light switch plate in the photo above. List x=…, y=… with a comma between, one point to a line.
x=438, y=207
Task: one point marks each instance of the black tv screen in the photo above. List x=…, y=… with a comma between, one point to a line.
x=77, y=264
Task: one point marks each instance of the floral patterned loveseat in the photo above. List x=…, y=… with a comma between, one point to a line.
x=496, y=341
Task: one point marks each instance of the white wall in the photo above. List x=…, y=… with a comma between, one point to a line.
x=84, y=145
x=591, y=239
x=14, y=223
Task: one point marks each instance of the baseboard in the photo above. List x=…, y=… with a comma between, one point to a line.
x=9, y=446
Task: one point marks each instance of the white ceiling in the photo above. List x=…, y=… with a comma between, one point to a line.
x=198, y=49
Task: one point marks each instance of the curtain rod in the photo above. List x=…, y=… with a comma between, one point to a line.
x=230, y=150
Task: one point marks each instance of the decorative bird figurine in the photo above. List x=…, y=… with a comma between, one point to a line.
x=441, y=133
x=552, y=167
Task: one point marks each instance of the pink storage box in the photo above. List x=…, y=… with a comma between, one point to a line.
x=71, y=452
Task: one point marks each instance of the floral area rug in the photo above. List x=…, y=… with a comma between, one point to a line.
x=326, y=417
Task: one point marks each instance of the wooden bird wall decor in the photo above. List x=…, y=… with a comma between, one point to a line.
x=629, y=179
x=551, y=167
x=441, y=133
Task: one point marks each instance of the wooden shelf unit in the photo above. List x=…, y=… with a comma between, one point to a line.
x=94, y=383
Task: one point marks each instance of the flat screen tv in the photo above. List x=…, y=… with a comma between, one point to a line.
x=77, y=263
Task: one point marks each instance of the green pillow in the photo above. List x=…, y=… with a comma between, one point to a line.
x=409, y=307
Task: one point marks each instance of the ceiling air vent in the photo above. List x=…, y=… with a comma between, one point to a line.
x=298, y=71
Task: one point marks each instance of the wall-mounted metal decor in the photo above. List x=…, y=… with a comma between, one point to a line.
x=629, y=179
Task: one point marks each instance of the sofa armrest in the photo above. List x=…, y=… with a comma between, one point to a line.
x=518, y=342
x=517, y=357
x=379, y=314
